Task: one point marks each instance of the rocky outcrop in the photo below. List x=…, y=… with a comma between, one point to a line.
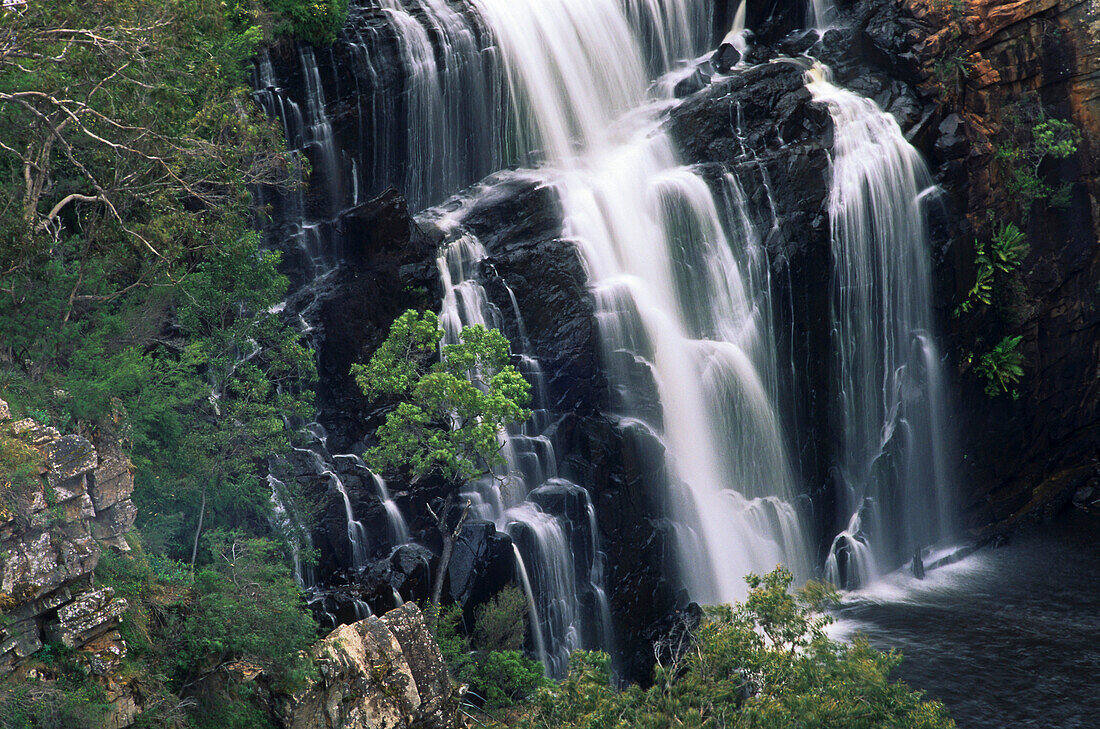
x=69, y=502
x=379, y=672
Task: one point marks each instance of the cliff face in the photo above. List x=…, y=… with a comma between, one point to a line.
x=1028, y=457
x=54, y=523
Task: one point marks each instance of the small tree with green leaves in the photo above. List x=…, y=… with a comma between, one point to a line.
x=1036, y=138
x=452, y=405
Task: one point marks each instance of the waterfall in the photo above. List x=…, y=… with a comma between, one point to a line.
x=895, y=489
x=446, y=93
x=676, y=302
x=557, y=562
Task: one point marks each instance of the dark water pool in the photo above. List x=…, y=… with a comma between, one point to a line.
x=1008, y=637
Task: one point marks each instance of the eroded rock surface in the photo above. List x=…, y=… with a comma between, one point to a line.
x=379, y=672
x=54, y=525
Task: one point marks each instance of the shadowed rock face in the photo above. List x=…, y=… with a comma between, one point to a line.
x=53, y=528
x=761, y=126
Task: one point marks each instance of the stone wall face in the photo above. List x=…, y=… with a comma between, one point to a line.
x=53, y=528
x=1025, y=458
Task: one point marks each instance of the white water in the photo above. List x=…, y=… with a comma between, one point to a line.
x=678, y=275
x=676, y=300
x=551, y=551
x=893, y=465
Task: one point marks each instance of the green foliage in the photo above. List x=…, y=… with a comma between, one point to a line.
x=1005, y=252
x=1033, y=138
x=42, y=705
x=135, y=301
x=501, y=623
x=491, y=663
x=450, y=412
x=19, y=464
x=950, y=71
x=1008, y=247
x=317, y=21
x=133, y=291
x=764, y=664
x=246, y=606
x=1002, y=367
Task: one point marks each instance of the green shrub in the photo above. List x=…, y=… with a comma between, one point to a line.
x=501, y=623
x=41, y=705
x=316, y=21
x=492, y=663
x=1032, y=138
x=763, y=664
x=246, y=606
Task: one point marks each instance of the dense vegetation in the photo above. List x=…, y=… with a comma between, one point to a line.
x=135, y=299
x=763, y=664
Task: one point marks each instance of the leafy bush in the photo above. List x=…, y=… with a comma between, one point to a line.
x=501, y=623
x=1033, y=138
x=39, y=705
x=492, y=663
x=763, y=664
x=246, y=606
x=317, y=21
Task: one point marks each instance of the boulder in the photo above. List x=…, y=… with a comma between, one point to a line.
x=379, y=672
x=482, y=563
x=725, y=58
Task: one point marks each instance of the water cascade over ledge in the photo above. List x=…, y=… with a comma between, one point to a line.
x=894, y=461
x=679, y=269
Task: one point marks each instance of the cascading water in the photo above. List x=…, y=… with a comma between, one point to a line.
x=895, y=485
x=448, y=92
x=675, y=301
x=557, y=562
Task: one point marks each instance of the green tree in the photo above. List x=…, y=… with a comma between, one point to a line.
x=450, y=408
x=762, y=664
x=491, y=660
x=245, y=606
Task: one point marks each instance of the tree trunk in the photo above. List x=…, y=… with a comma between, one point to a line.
x=449, y=536
x=198, y=529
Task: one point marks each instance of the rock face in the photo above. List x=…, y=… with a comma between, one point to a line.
x=1024, y=458
x=379, y=672
x=761, y=126
x=53, y=527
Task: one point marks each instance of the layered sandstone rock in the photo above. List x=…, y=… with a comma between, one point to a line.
x=53, y=528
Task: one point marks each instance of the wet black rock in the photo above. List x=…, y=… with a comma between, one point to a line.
x=797, y=43
x=952, y=141
x=481, y=565
x=725, y=58
x=697, y=81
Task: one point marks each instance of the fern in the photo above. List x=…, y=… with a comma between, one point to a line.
x=1002, y=367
